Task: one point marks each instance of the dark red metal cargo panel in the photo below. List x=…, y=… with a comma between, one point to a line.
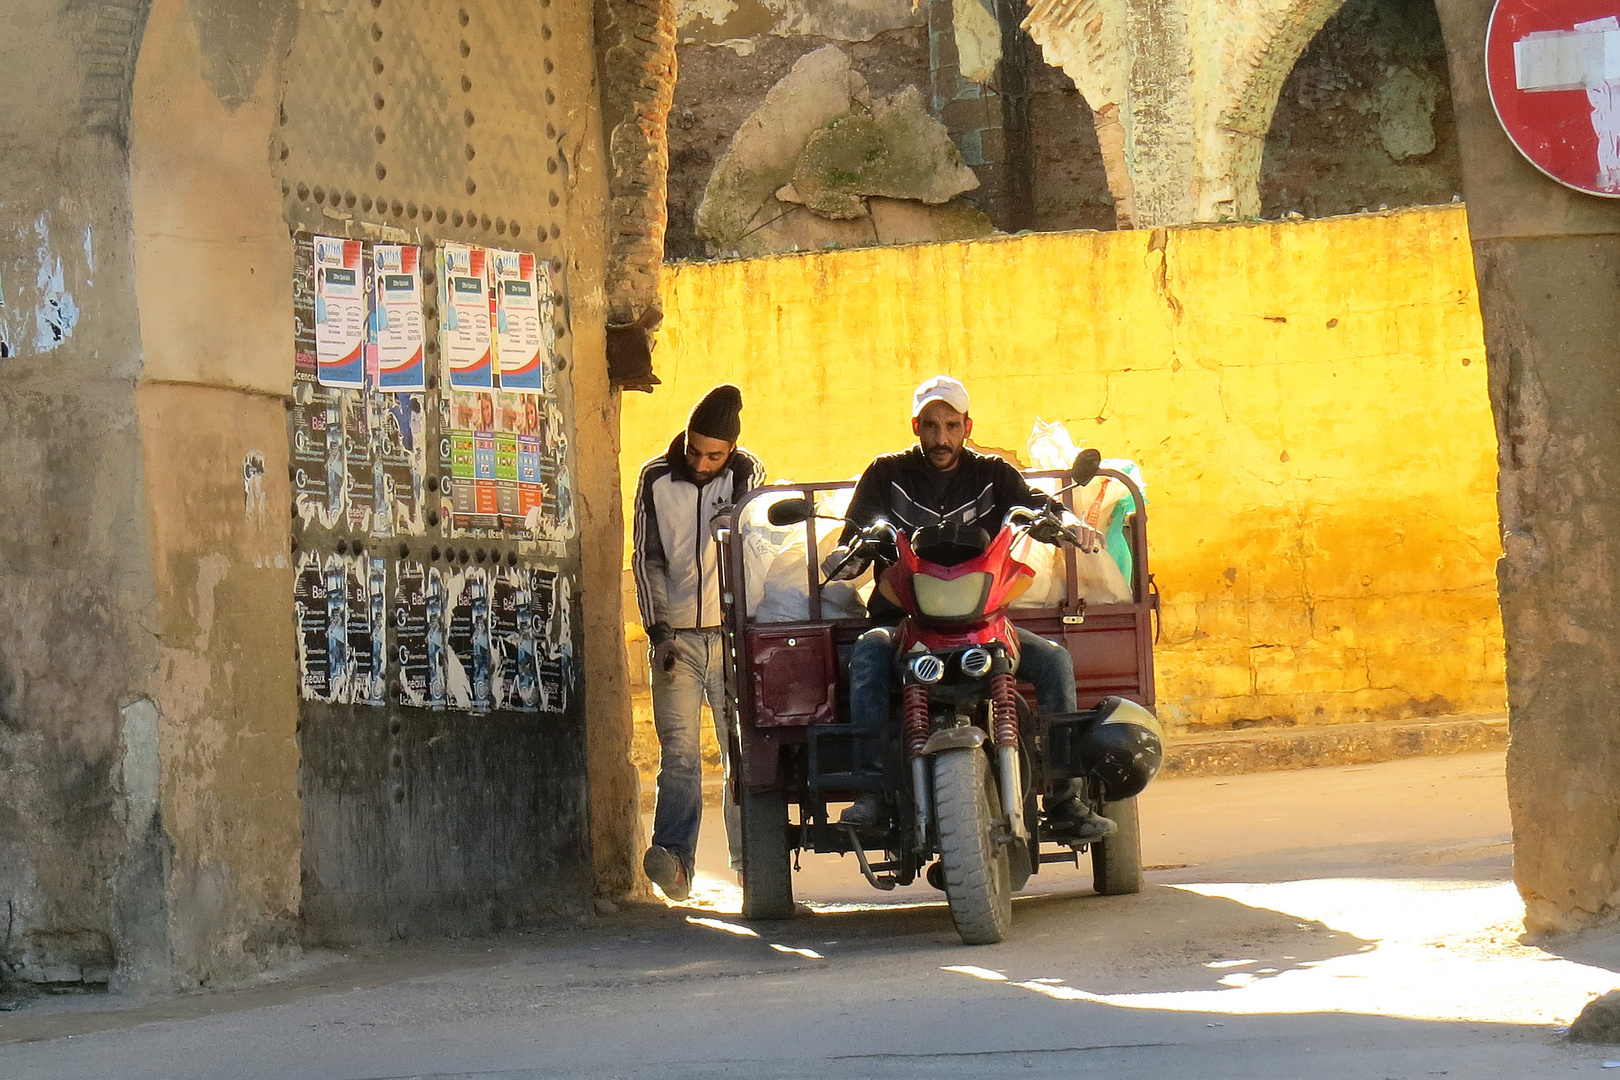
x=795, y=676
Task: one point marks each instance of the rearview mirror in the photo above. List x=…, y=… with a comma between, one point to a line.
x=1086, y=464
x=789, y=512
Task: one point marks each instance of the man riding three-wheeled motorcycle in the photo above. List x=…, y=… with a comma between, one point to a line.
x=931, y=738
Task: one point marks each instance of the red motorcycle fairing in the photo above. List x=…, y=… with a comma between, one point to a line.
x=976, y=622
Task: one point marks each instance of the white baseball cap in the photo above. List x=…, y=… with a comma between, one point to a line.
x=939, y=388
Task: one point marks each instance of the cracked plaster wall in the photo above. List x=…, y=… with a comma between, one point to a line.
x=1306, y=400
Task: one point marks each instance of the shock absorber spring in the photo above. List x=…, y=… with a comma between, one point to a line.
x=1003, y=698
x=914, y=701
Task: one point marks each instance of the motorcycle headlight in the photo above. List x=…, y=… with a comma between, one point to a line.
x=958, y=598
x=928, y=668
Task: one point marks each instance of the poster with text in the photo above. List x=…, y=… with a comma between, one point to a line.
x=340, y=312
x=519, y=343
x=397, y=323
x=512, y=633
x=473, y=489
x=310, y=615
x=551, y=601
x=398, y=462
x=367, y=632
x=315, y=419
x=359, y=480
x=338, y=661
x=411, y=633
x=467, y=644
x=466, y=344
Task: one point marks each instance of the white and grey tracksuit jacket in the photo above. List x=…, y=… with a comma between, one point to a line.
x=674, y=556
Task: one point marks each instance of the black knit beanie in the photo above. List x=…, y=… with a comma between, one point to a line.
x=716, y=415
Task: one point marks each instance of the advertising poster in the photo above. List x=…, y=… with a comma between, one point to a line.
x=317, y=425
x=512, y=634
x=474, y=493
x=518, y=341
x=467, y=646
x=466, y=345
x=359, y=481
x=371, y=577
x=339, y=668
x=397, y=323
x=531, y=493
x=506, y=480
x=554, y=643
x=438, y=656
x=340, y=312
x=411, y=633
x=398, y=462
x=310, y=615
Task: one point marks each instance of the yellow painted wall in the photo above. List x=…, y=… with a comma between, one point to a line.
x=1306, y=400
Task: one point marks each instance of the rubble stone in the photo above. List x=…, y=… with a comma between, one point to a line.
x=897, y=151
x=762, y=154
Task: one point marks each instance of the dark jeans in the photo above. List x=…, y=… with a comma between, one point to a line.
x=1042, y=663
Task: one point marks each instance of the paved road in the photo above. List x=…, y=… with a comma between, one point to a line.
x=1349, y=922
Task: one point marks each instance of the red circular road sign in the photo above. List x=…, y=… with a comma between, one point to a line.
x=1553, y=68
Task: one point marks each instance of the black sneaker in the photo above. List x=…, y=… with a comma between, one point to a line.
x=668, y=871
x=864, y=812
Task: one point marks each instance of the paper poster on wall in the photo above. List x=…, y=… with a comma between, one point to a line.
x=338, y=661
x=531, y=435
x=466, y=344
x=340, y=312
x=467, y=651
x=310, y=616
x=519, y=343
x=397, y=323
x=415, y=683
x=315, y=420
x=512, y=634
x=507, y=410
x=552, y=601
x=398, y=462
x=365, y=673
x=359, y=482
x=474, y=494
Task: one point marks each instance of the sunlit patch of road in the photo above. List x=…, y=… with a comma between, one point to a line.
x=1439, y=950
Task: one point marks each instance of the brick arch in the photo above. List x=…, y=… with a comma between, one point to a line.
x=1089, y=40
x=1257, y=62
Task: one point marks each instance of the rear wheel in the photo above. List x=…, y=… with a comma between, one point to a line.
x=1116, y=863
x=978, y=877
x=767, y=870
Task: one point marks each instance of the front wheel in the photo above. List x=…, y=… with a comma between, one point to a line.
x=767, y=871
x=978, y=877
x=1116, y=863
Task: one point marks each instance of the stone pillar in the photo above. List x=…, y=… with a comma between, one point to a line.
x=1548, y=262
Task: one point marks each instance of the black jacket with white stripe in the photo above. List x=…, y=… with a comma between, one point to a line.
x=674, y=556
x=910, y=493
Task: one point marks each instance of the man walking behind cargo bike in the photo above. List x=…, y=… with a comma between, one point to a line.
x=676, y=563
x=942, y=480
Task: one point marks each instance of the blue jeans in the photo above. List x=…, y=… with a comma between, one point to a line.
x=1042, y=663
x=677, y=697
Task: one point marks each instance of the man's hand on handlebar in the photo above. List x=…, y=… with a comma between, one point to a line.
x=842, y=564
x=1084, y=537
x=1050, y=530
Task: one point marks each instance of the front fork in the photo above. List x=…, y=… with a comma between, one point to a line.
x=1004, y=714
x=914, y=703
x=1004, y=710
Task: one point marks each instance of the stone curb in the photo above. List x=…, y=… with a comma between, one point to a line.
x=1277, y=749
x=1232, y=753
